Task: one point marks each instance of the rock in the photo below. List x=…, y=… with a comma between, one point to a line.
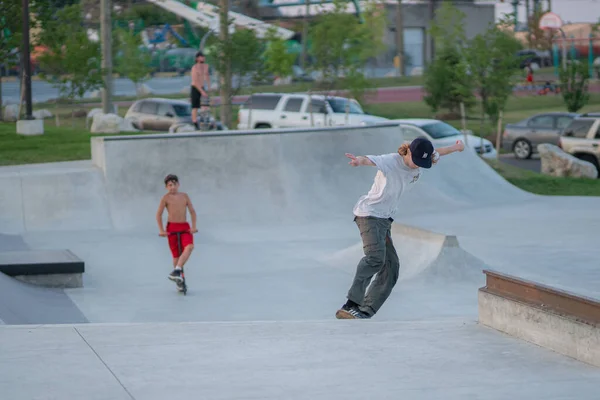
x=111, y=123
x=144, y=90
x=416, y=71
x=11, y=112
x=30, y=127
x=180, y=128
x=97, y=110
x=556, y=162
x=41, y=114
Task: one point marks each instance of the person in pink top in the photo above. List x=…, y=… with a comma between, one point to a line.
x=200, y=79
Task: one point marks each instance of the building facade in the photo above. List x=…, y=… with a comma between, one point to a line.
x=416, y=20
x=417, y=15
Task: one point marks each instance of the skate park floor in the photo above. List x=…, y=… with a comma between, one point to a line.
x=258, y=320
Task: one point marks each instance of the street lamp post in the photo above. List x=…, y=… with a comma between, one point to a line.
x=26, y=60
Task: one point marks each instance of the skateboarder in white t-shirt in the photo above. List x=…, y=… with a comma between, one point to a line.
x=397, y=173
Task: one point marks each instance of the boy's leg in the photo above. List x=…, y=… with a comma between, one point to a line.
x=184, y=256
x=385, y=281
x=175, y=245
x=187, y=244
x=373, y=232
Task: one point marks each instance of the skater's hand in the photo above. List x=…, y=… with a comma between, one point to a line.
x=460, y=146
x=353, y=160
x=194, y=230
x=163, y=233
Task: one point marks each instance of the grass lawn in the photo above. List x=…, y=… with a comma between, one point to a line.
x=546, y=185
x=518, y=108
x=64, y=143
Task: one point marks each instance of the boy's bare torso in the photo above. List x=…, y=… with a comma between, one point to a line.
x=176, y=205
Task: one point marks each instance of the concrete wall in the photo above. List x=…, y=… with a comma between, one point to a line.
x=561, y=334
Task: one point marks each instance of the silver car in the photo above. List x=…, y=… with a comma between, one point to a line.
x=523, y=137
x=158, y=114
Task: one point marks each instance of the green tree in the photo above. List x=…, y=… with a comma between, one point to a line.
x=342, y=44
x=245, y=60
x=492, y=61
x=132, y=61
x=73, y=62
x=277, y=59
x=446, y=81
x=574, y=80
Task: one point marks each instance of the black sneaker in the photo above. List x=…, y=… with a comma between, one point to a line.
x=349, y=312
x=175, y=276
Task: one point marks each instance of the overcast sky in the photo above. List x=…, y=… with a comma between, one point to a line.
x=569, y=10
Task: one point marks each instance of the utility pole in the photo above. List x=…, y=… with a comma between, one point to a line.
x=26, y=61
x=549, y=5
x=304, y=59
x=225, y=77
x=515, y=5
x=106, y=31
x=527, y=21
x=400, y=38
x=431, y=21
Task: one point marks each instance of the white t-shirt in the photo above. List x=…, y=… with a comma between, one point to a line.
x=393, y=179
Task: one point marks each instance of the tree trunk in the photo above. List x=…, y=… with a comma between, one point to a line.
x=225, y=87
x=400, y=38
x=1, y=111
x=304, y=59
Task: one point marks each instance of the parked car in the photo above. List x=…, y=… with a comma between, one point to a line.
x=295, y=110
x=442, y=134
x=159, y=114
x=582, y=139
x=523, y=137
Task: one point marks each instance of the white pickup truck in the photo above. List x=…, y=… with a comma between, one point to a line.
x=296, y=110
x=581, y=138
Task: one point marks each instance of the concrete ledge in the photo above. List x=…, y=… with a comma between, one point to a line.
x=51, y=268
x=30, y=127
x=565, y=334
x=74, y=280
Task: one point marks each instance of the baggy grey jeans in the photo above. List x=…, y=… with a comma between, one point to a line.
x=381, y=259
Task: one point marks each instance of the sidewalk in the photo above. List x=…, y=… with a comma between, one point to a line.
x=316, y=360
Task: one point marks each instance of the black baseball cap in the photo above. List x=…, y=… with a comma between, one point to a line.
x=421, y=151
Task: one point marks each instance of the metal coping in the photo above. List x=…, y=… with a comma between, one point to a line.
x=582, y=309
x=252, y=132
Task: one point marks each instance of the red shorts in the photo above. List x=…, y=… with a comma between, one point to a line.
x=529, y=78
x=186, y=237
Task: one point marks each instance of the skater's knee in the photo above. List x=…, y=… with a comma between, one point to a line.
x=375, y=258
x=189, y=248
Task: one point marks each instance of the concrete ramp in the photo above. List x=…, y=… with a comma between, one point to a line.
x=283, y=178
x=424, y=255
x=24, y=303
x=52, y=197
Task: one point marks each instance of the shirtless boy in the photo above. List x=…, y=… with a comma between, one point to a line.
x=177, y=204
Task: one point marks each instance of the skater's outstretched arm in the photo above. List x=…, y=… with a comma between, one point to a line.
x=360, y=160
x=458, y=146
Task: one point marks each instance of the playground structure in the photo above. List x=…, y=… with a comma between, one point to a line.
x=577, y=48
x=207, y=16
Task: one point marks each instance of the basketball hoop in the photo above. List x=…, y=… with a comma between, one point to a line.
x=550, y=21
